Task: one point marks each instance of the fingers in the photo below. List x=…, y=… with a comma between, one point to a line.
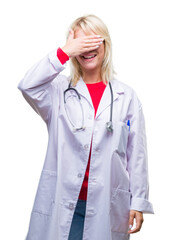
x=76, y=46
x=131, y=219
x=91, y=48
x=92, y=43
x=139, y=221
x=94, y=40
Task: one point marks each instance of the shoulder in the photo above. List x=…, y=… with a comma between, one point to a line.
x=61, y=82
x=122, y=88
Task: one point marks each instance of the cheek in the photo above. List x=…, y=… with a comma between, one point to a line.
x=101, y=52
x=101, y=57
x=78, y=59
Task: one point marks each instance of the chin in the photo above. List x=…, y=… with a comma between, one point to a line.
x=92, y=65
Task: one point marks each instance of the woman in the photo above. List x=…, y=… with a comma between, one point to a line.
x=94, y=180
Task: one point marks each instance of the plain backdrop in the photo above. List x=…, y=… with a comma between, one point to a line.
x=142, y=56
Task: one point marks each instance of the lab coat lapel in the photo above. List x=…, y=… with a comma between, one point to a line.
x=106, y=97
x=82, y=89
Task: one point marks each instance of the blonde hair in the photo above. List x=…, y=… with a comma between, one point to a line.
x=91, y=23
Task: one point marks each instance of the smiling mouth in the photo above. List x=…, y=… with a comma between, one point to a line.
x=89, y=57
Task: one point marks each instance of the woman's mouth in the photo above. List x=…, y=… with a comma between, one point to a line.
x=88, y=57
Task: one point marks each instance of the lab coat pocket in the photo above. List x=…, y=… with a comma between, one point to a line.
x=45, y=193
x=119, y=211
x=121, y=131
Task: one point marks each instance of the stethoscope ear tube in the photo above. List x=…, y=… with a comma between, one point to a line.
x=109, y=125
x=70, y=88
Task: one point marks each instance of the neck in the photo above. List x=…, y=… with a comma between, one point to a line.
x=92, y=77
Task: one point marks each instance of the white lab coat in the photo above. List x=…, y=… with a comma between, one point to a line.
x=118, y=178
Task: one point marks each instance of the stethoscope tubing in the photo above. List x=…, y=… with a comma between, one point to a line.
x=109, y=125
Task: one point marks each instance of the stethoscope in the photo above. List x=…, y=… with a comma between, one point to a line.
x=109, y=125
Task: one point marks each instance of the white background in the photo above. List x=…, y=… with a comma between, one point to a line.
x=142, y=55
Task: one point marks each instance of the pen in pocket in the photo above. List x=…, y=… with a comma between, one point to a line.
x=128, y=123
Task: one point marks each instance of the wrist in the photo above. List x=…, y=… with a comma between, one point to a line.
x=62, y=56
x=65, y=50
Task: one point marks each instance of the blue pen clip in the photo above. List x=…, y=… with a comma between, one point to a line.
x=128, y=124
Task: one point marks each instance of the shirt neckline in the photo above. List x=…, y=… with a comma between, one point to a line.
x=96, y=85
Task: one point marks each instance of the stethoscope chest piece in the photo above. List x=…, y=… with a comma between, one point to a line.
x=109, y=126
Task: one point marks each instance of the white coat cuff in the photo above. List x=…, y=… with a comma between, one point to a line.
x=142, y=205
x=55, y=61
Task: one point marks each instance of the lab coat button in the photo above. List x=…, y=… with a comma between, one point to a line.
x=86, y=146
x=97, y=149
x=79, y=175
x=71, y=206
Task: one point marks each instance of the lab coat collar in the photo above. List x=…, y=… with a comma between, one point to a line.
x=106, y=97
x=82, y=89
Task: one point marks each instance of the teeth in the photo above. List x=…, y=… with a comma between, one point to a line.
x=88, y=57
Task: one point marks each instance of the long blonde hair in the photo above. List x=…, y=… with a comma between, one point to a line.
x=91, y=23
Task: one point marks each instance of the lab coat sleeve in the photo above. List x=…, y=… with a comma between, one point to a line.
x=137, y=161
x=37, y=85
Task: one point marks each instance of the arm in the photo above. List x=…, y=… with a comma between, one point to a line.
x=36, y=85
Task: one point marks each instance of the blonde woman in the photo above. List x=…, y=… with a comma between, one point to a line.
x=94, y=181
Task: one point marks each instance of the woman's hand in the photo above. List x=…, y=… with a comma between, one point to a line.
x=139, y=220
x=77, y=46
